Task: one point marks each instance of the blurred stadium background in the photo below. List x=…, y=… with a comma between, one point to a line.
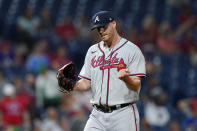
x=39, y=36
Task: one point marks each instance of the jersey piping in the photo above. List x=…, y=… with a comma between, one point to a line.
x=138, y=74
x=102, y=73
x=134, y=117
x=85, y=77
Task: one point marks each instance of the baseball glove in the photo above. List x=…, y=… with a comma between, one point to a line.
x=66, y=77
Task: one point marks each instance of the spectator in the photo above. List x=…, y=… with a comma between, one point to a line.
x=193, y=56
x=149, y=33
x=45, y=25
x=6, y=54
x=29, y=84
x=166, y=41
x=174, y=126
x=186, y=14
x=23, y=94
x=73, y=111
x=51, y=122
x=145, y=125
x=12, y=108
x=64, y=124
x=189, y=108
x=27, y=25
x=47, y=93
x=2, y=83
x=83, y=29
x=156, y=113
x=17, y=66
x=27, y=122
x=133, y=36
x=60, y=58
x=39, y=58
x=83, y=101
x=187, y=43
x=66, y=30
x=28, y=22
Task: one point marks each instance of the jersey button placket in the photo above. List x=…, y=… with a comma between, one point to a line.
x=107, y=99
x=102, y=54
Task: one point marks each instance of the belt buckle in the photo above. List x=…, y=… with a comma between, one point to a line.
x=110, y=110
x=107, y=108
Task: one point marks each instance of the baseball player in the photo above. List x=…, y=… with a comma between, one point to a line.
x=113, y=69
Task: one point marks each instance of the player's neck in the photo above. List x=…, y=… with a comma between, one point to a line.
x=114, y=41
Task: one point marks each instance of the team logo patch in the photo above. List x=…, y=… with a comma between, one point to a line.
x=114, y=62
x=96, y=19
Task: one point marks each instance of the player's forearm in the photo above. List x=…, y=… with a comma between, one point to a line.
x=133, y=83
x=82, y=85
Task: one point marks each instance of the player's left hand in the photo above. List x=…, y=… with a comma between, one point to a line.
x=123, y=74
x=66, y=77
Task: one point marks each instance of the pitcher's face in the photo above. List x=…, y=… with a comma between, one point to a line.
x=107, y=32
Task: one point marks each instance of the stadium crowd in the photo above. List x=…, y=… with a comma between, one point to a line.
x=33, y=51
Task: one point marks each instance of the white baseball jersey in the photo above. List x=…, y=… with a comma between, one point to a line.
x=101, y=68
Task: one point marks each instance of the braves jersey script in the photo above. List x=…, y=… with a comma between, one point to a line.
x=101, y=67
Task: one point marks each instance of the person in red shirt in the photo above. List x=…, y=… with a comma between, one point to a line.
x=11, y=107
x=66, y=30
x=60, y=58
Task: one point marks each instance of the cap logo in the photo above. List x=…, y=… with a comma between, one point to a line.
x=96, y=19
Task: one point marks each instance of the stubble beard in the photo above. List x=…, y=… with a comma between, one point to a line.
x=109, y=41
